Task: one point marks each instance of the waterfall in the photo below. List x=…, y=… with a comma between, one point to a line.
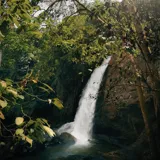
x=82, y=126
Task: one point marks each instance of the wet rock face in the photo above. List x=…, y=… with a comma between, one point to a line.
x=118, y=113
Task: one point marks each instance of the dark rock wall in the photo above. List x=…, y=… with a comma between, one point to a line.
x=118, y=113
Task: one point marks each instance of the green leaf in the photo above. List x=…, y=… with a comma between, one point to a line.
x=30, y=123
x=58, y=103
x=20, y=96
x=37, y=34
x=16, y=22
x=50, y=88
x=12, y=91
x=3, y=103
x=19, y=131
x=44, y=89
x=26, y=15
x=45, y=121
x=1, y=36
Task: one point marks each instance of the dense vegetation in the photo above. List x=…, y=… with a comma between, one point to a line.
x=42, y=60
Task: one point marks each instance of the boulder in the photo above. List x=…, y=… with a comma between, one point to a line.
x=67, y=138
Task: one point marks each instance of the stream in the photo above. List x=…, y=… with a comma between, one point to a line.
x=92, y=151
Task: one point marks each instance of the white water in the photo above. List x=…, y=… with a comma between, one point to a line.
x=82, y=126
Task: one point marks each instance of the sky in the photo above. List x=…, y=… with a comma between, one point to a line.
x=45, y=5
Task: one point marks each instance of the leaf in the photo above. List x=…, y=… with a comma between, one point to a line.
x=11, y=148
x=3, y=84
x=57, y=103
x=34, y=81
x=48, y=87
x=8, y=81
x=37, y=34
x=20, y=96
x=2, y=115
x=80, y=73
x=13, y=92
x=16, y=22
x=44, y=89
x=2, y=144
x=3, y=103
x=26, y=15
x=1, y=36
x=29, y=140
x=45, y=121
x=19, y=121
x=19, y=131
x=42, y=121
x=90, y=70
x=30, y=123
x=50, y=132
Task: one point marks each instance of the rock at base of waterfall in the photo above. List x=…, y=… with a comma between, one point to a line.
x=67, y=138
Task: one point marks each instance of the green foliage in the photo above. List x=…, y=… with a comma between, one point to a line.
x=19, y=54
x=14, y=12
x=20, y=34
x=33, y=130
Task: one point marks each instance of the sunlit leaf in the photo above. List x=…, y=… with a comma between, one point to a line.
x=3, y=84
x=34, y=81
x=50, y=132
x=19, y=131
x=2, y=115
x=37, y=34
x=45, y=121
x=3, y=103
x=20, y=96
x=19, y=121
x=57, y=103
x=48, y=87
x=29, y=140
x=12, y=92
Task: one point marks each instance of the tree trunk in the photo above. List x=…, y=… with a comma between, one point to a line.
x=151, y=68
x=148, y=126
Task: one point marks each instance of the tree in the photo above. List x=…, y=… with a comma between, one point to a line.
x=16, y=17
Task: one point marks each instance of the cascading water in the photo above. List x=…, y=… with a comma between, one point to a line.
x=82, y=126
